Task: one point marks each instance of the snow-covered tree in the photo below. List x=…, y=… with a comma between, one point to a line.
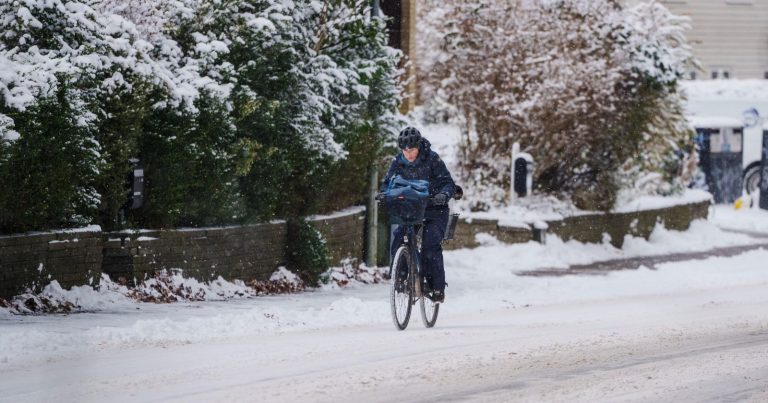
x=579, y=84
x=269, y=101
x=58, y=46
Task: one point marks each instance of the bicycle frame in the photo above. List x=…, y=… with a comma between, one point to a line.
x=414, y=249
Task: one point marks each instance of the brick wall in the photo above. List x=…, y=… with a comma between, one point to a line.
x=31, y=261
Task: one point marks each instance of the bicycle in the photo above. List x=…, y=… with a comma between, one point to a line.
x=408, y=285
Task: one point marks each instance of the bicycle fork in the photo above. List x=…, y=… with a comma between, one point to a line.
x=415, y=270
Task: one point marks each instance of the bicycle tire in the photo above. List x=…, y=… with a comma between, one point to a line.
x=429, y=311
x=400, y=298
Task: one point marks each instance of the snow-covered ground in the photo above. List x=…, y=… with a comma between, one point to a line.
x=695, y=330
x=338, y=343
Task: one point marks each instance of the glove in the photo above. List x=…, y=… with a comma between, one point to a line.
x=440, y=199
x=380, y=197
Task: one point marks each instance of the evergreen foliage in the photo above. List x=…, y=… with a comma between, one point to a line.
x=48, y=175
x=306, y=251
x=239, y=110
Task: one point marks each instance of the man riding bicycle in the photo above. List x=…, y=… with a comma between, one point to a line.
x=418, y=161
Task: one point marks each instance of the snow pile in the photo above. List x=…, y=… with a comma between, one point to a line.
x=536, y=207
x=745, y=219
x=54, y=299
x=504, y=260
x=349, y=273
x=629, y=202
x=172, y=287
x=165, y=287
x=282, y=281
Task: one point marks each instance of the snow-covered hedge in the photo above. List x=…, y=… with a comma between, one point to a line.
x=586, y=86
x=238, y=110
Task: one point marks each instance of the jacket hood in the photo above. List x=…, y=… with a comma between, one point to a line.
x=425, y=148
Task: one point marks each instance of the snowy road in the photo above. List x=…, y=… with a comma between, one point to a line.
x=686, y=331
x=695, y=344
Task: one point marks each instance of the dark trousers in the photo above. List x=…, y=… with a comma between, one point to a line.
x=431, y=248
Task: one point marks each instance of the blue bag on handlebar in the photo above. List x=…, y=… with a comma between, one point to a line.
x=406, y=200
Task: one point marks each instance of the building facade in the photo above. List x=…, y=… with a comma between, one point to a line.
x=729, y=37
x=402, y=35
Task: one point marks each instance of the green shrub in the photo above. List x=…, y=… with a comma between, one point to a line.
x=48, y=174
x=189, y=168
x=306, y=251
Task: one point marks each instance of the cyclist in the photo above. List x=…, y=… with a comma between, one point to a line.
x=418, y=161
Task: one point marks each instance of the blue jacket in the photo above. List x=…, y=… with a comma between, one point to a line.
x=427, y=166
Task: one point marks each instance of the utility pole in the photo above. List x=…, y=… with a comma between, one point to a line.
x=373, y=217
x=375, y=8
x=372, y=226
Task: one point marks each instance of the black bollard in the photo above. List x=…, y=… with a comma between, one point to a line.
x=764, y=172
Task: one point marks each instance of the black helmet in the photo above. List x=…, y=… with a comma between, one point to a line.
x=409, y=138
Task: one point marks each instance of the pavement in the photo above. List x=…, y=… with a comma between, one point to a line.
x=634, y=263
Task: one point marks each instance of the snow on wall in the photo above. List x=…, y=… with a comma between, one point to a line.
x=32, y=261
x=589, y=227
x=78, y=257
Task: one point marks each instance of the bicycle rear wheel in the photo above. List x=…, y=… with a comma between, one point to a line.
x=401, y=292
x=429, y=310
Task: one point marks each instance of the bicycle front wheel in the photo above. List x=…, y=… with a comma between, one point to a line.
x=429, y=311
x=401, y=292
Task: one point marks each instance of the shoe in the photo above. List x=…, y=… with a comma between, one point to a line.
x=437, y=296
x=425, y=288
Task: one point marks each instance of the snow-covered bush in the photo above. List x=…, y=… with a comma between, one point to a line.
x=586, y=87
x=316, y=85
x=239, y=110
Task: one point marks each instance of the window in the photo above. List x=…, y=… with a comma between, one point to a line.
x=765, y=75
x=720, y=73
x=726, y=140
x=692, y=75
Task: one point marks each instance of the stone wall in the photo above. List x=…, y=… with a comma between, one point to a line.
x=467, y=229
x=31, y=261
x=344, y=234
x=253, y=252
x=249, y=252
x=585, y=228
x=590, y=228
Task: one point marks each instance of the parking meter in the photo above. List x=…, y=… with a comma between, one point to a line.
x=136, y=185
x=522, y=172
